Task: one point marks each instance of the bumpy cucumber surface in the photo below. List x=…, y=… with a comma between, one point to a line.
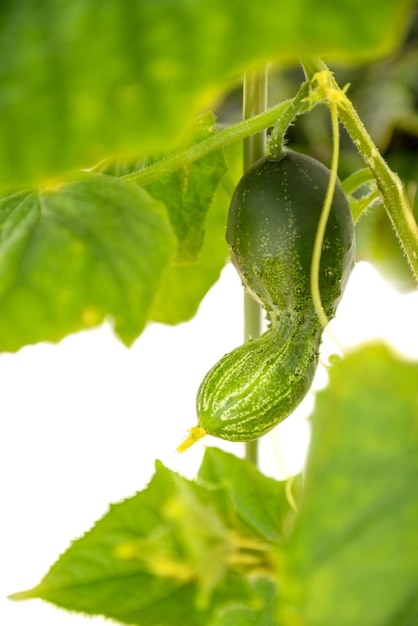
x=272, y=224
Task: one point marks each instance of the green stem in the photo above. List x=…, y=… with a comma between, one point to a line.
x=254, y=105
x=388, y=183
x=256, y=124
x=360, y=205
x=299, y=104
x=255, y=101
x=357, y=180
x=320, y=233
x=311, y=66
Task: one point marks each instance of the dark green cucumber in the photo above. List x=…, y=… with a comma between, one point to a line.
x=272, y=224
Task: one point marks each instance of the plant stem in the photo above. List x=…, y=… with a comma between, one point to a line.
x=388, y=183
x=357, y=180
x=299, y=104
x=255, y=101
x=256, y=124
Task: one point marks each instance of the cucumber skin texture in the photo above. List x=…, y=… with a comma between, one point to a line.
x=272, y=224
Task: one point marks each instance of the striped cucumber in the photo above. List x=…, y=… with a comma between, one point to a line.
x=272, y=224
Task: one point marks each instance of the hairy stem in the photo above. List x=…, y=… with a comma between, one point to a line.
x=299, y=104
x=254, y=125
x=388, y=183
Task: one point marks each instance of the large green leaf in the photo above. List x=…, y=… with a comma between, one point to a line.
x=197, y=207
x=353, y=557
x=72, y=256
x=100, y=248
x=86, y=79
x=171, y=555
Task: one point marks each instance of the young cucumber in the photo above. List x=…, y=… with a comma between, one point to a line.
x=272, y=224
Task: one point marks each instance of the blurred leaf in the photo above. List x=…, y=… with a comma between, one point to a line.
x=259, y=501
x=74, y=255
x=353, y=557
x=385, y=94
x=84, y=80
x=165, y=556
x=262, y=615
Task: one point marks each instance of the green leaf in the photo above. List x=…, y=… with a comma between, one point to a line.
x=184, y=285
x=77, y=254
x=188, y=193
x=259, y=501
x=85, y=80
x=197, y=205
x=167, y=556
x=263, y=615
x=353, y=557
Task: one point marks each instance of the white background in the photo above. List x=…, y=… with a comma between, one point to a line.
x=82, y=422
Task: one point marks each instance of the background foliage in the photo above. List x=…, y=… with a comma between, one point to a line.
x=86, y=80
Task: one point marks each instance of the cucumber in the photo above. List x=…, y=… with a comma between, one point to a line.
x=272, y=224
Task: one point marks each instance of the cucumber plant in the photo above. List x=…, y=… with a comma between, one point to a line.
x=230, y=547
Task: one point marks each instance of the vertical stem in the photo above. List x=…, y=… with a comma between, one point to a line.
x=255, y=101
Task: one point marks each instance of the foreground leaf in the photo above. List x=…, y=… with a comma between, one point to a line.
x=259, y=501
x=72, y=256
x=170, y=555
x=353, y=557
x=85, y=80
